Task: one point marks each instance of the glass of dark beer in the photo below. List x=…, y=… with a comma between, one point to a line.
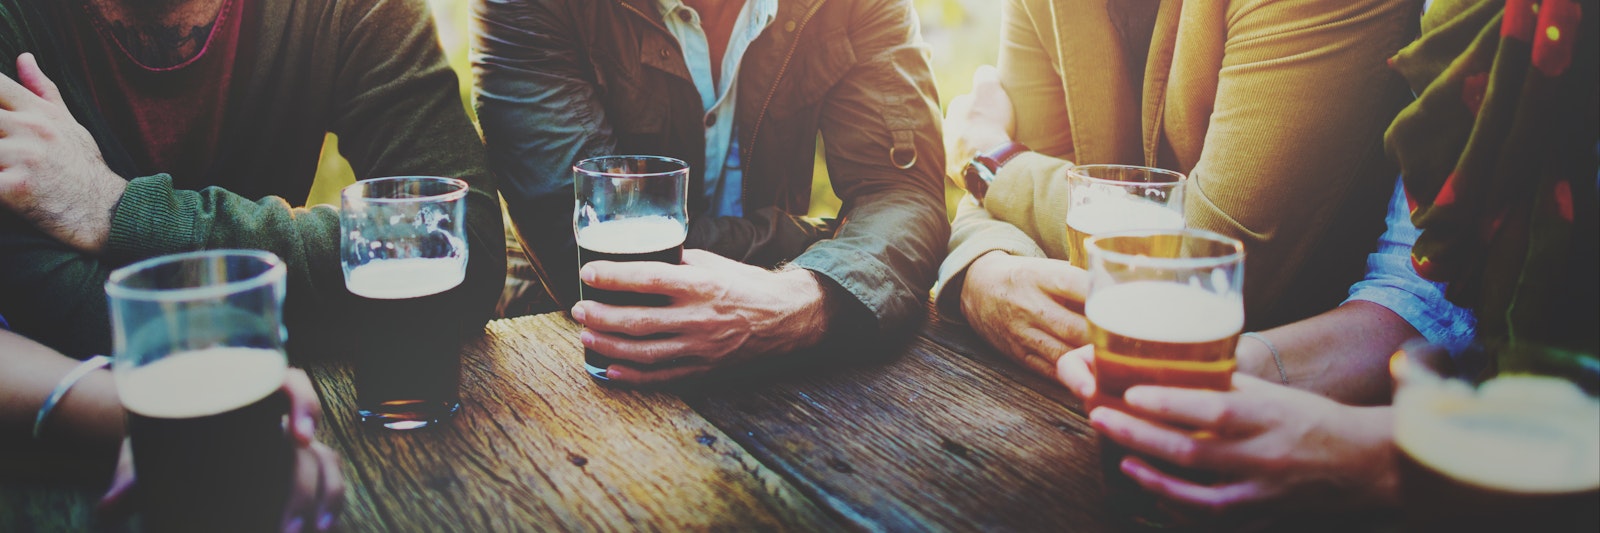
x=1165, y=307
x=629, y=208
x=1517, y=452
x=404, y=244
x=199, y=362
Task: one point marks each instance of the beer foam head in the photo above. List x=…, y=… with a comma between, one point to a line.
x=1109, y=213
x=632, y=235
x=202, y=382
x=1164, y=311
x=395, y=279
x=1528, y=434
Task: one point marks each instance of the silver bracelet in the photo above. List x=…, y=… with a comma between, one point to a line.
x=83, y=369
x=1276, y=357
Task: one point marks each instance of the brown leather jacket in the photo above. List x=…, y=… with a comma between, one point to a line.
x=563, y=80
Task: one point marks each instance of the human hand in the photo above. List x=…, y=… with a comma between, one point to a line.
x=977, y=121
x=316, y=494
x=1031, y=309
x=1274, y=447
x=722, y=311
x=51, y=170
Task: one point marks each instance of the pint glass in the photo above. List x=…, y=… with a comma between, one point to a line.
x=403, y=241
x=629, y=208
x=1107, y=198
x=1165, y=307
x=198, y=342
x=1518, y=452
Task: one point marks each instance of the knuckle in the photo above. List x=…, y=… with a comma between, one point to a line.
x=1186, y=453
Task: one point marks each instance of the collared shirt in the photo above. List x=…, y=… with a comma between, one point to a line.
x=724, y=172
x=1392, y=282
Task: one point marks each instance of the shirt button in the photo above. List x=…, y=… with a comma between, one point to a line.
x=666, y=53
x=788, y=26
x=711, y=119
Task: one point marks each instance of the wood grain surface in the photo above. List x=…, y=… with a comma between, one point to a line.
x=538, y=445
x=930, y=439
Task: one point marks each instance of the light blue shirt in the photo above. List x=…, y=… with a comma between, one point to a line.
x=1392, y=282
x=724, y=173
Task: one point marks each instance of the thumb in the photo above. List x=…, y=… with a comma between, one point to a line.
x=117, y=501
x=32, y=77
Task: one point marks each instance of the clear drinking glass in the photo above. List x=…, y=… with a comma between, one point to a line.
x=629, y=208
x=1517, y=452
x=199, y=362
x=1107, y=198
x=1165, y=307
x=404, y=244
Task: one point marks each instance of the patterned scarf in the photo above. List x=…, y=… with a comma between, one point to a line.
x=1498, y=154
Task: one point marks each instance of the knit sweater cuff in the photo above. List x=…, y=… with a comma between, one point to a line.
x=153, y=219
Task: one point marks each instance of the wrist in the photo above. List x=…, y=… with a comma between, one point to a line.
x=806, y=321
x=975, y=273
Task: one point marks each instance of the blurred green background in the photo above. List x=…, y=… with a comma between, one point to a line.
x=962, y=34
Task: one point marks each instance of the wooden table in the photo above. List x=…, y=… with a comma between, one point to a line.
x=938, y=433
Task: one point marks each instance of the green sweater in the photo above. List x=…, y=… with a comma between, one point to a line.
x=370, y=71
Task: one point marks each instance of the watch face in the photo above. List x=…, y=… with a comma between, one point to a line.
x=973, y=177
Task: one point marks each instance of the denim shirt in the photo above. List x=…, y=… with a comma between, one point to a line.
x=724, y=174
x=1392, y=282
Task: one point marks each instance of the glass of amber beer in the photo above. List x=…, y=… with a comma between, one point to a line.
x=404, y=245
x=199, y=362
x=1165, y=307
x=1517, y=452
x=629, y=208
x=1107, y=198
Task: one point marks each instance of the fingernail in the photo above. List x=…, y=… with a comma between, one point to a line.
x=612, y=373
x=579, y=313
x=586, y=338
x=325, y=522
x=305, y=427
x=586, y=274
x=294, y=525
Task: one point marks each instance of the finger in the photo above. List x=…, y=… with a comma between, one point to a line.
x=303, y=490
x=627, y=320
x=1153, y=439
x=1216, y=499
x=331, y=501
x=1067, y=326
x=117, y=502
x=635, y=376
x=12, y=94
x=648, y=277
x=305, y=411
x=1073, y=369
x=647, y=351
x=1040, y=349
x=1234, y=412
x=33, y=78
x=698, y=257
x=1070, y=286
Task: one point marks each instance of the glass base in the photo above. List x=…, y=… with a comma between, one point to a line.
x=408, y=414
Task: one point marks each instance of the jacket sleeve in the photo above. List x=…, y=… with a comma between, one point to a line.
x=399, y=115
x=893, y=230
x=538, y=105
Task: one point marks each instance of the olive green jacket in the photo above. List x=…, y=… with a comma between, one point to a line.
x=563, y=80
x=371, y=71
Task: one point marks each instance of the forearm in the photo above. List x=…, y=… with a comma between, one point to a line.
x=1342, y=354
x=87, y=418
x=973, y=234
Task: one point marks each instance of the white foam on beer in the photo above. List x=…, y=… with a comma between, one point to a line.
x=1108, y=213
x=1165, y=311
x=633, y=235
x=398, y=279
x=201, y=382
x=1519, y=433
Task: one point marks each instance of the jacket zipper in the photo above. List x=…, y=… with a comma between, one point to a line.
x=760, y=117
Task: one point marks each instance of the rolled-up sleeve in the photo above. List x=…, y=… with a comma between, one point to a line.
x=1392, y=282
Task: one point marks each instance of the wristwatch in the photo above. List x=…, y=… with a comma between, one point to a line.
x=980, y=171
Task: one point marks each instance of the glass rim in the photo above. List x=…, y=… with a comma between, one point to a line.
x=1092, y=246
x=683, y=167
x=1182, y=179
x=351, y=191
x=275, y=272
